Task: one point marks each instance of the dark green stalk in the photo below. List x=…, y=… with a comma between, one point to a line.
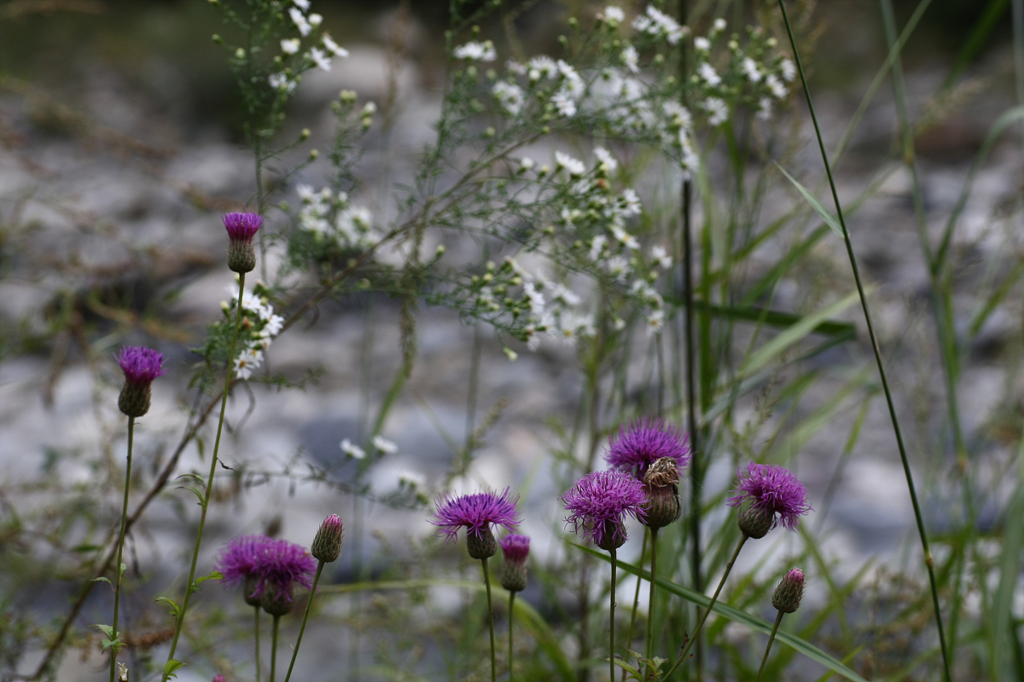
x=120, y=552
x=257, y=634
x=771, y=639
x=650, y=604
x=611, y=622
x=929, y=561
x=636, y=599
x=511, y=605
x=209, y=482
x=490, y=621
x=714, y=599
x=273, y=649
x=305, y=617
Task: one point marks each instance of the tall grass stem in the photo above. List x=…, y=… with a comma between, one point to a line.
x=929, y=561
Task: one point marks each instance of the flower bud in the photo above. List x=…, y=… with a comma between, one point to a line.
x=241, y=229
x=787, y=595
x=277, y=602
x=515, y=548
x=755, y=523
x=661, y=486
x=140, y=366
x=327, y=543
x=482, y=546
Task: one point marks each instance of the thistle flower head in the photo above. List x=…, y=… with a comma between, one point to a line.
x=262, y=563
x=140, y=366
x=241, y=229
x=599, y=502
x=239, y=564
x=774, y=492
x=476, y=513
x=789, y=592
x=327, y=543
x=642, y=442
x=515, y=548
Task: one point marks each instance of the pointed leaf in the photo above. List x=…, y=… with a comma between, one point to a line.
x=818, y=207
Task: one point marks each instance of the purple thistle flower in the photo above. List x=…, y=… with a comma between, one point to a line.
x=641, y=442
x=241, y=229
x=476, y=513
x=282, y=563
x=515, y=548
x=242, y=226
x=239, y=564
x=598, y=503
x=140, y=366
x=774, y=491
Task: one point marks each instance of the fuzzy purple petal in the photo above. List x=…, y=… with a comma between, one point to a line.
x=602, y=499
x=476, y=513
x=282, y=563
x=242, y=226
x=240, y=559
x=641, y=442
x=774, y=490
x=515, y=548
x=140, y=365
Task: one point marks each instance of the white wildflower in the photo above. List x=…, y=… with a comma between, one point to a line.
x=607, y=162
x=631, y=58
x=306, y=193
x=300, y=22
x=351, y=449
x=597, y=247
x=248, y=360
x=384, y=446
x=290, y=46
x=333, y=47
x=574, y=167
x=709, y=75
x=775, y=86
x=655, y=321
x=617, y=267
x=515, y=67
x=701, y=44
x=541, y=66
x=320, y=58
x=613, y=15
x=509, y=95
x=788, y=69
x=749, y=67
x=411, y=479
x=301, y=4
x=564, y=103
x=564, y=295
x=719, y=25
x=315, y=20
x=273, y=326
x=476, y=52
x=764, y=109
x=661, y=257
x=624, y=237
x=679, y=116
x=632, y=202
x=526, y=163
x=280, y=81
x=717, y=109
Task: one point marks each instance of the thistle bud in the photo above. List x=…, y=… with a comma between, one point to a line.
x=515, y=548
x=241, y=229
x=327, y=543
x=140, y=366
x=277, y=602
x=787, y=595
x=661, y=486
x=482, y=546
x=755, y=523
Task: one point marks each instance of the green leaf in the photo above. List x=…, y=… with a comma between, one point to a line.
x=108, y=643
x=818, y=207
x=808, y=650
x=108, y=630
x=101, y=579
x=171, y=666
x=175, y=609
x=216, y=575
x=793, y=334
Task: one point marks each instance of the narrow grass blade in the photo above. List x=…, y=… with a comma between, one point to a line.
x=819, y=208
x=735, y=615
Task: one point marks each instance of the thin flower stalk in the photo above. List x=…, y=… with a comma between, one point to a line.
x=897, y=431
x=120, y=551
x=787, y=600
x=209, y=484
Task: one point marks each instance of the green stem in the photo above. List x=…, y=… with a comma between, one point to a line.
x=771, y=638
x=305, y=617
x=904, y=459
x=273, y=649
x=714, y=599
x=120, y=552
x=511, y=604
x=611, y=622
x=636, y=599
x=650, y=604
x=257, y=633
x=490, y=620
x=209, y=481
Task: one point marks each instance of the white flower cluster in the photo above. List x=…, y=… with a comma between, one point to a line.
x=320, y=55
x=261, y=328
x=333, y=220
x=656, y=23
x=379, y=443
x=476, y=52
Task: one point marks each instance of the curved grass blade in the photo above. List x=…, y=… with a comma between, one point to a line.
x=735, y=615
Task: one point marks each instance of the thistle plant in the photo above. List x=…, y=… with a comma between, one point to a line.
x=776, y=497
x=478, y=513
x=239, y=565
x=598, y=504
x=515, y=549
x=786, y=600
x=141, y=366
